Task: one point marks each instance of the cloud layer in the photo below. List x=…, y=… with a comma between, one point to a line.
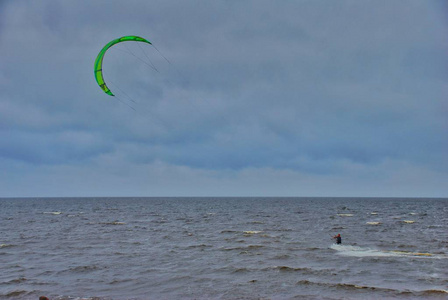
x=302, y=98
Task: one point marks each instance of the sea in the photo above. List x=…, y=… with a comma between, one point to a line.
x=223, y=248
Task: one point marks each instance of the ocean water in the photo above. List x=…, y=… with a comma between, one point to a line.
x=223, y=248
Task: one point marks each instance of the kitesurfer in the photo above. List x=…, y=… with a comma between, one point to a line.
x=338, y=239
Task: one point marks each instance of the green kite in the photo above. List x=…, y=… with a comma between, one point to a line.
x=98, y=71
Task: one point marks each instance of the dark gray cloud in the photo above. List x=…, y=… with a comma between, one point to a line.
x=315, y=92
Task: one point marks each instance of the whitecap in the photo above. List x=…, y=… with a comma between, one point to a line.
x=348, y=250
x=373, y=223
x=408, y=221
x=345, y=215
x=118, y=223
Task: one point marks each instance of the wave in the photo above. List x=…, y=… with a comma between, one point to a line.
x=241, y=270
x=256, y=222
x=82, y=269
x=16, y=293
x=345, y=285
x=281, y=229
x=432, y=292
x=356, y=251
x=249, y=247
x=113, y=223
x=15, y=281
x=282, y=269
x=291, y=269
x=351, y=286
x=408, y=221
x=373, y=223
x=338, y=227
x=229, y=231
x=120, y=281
x=301, y=270
x=282, y=256
x=199, y=246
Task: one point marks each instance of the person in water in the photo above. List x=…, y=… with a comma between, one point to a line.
x=338, y=239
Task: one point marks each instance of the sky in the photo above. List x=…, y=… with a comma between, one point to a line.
x=249, y=98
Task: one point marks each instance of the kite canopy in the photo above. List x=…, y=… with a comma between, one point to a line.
x=98, y=71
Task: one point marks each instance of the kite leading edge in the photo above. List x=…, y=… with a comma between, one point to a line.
x=98, y=71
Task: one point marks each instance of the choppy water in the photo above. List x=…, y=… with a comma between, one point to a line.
x=223, y=248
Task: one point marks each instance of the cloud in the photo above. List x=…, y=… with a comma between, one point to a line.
x=109, y=178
